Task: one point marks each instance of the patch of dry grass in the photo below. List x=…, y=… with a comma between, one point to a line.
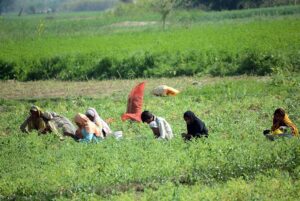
x=95, y=89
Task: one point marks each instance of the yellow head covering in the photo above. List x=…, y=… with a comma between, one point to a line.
x=290, y=124
x=37, y=109
x=37, y=123
x=286, y=120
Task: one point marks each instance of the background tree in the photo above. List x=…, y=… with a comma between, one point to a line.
x=6, y=5
x=233, y=4
x=164, y=7
x=126, y=1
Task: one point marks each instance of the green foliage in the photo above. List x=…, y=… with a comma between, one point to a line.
x=234, y=4
x=46, y=69
x=102, y=70
x=78, y=47
x=164, y=7
x=236, y=155
x=7, y=70
x=236, y=162
x=261, y=64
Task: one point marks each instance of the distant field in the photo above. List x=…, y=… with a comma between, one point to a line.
x=236, y=162
x=95, y=45
x=72, y=61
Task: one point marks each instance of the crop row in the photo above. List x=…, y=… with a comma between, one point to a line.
x=150, y=65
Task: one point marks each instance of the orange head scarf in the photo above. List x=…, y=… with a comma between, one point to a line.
x=85, y=123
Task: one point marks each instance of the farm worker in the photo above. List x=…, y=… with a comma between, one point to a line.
x=59, y=125
x=160, y=127
x=45, y=122
x=195, y=127
x=87, y=130
x=34, y=121
x=93, y=115
x=281, y=122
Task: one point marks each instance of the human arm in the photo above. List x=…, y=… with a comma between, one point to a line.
x=78, y=134
x=294, y=129
x=52, y=128
x=200, y=128
x=291, y=125
x=162, y=131
x=165, y=129
x=24, y=125
x=156, y=132
x=99, y=123
x=42, y=126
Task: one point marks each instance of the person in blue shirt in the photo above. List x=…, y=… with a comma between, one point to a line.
x=87, y=130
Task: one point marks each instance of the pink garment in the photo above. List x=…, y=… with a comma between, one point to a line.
x=89, y=126
x=98, y=120
x=135, y=103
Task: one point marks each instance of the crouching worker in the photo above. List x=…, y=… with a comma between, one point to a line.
x=195, y=127
x=59, y=125
x=87, y=130
x=34, y=121
x=160, y=127
x=47, y=122
x=93, y=115
x=281, y=126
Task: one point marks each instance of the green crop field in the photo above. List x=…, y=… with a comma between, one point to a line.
x=233, y=69
x=236, y=162
x=101, y=46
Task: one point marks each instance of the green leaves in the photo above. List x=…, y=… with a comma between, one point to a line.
x=235, y=156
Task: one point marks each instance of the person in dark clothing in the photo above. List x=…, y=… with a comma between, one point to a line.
x=195, y=127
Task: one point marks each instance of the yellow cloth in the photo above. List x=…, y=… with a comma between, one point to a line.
x=164, y=90
x=38, y=124
x=290, y=124
x=36, y=109
x=277, y=132
x=34, y=123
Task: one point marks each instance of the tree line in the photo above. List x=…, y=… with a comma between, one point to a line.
x=32, y=6
x=233, y=4
x=37, y=6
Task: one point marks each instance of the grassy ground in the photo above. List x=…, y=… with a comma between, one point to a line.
x=235, y=162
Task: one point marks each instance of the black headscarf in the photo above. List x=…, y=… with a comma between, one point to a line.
x=196, y=127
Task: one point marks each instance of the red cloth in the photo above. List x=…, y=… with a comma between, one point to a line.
x=135, y=103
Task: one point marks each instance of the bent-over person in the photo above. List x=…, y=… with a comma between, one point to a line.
x=195, y=127
x=159, y=126
x=281, y=124
x=59, y=125
x=34, y=121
